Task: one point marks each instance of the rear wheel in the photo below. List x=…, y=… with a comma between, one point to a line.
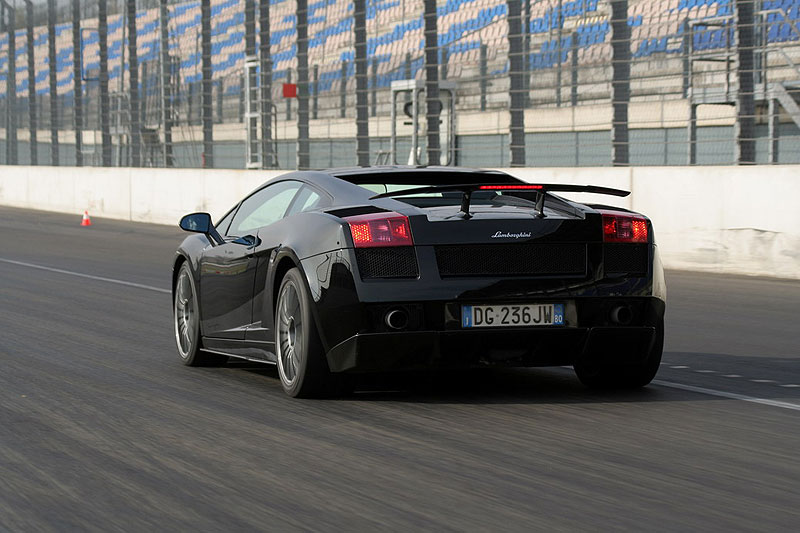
x=187, y=323
x=632, y=376
x=302, y=367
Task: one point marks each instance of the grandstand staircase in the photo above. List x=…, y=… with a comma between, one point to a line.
x=788, y=94
x=769, y=97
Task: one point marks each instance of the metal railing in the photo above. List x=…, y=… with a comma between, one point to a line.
x=545, y=83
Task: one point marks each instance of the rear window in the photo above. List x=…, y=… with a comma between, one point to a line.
x=391, y=181
x=446, y=198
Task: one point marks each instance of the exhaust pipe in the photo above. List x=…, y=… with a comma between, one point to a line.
x=621, y=315
x=396, y=319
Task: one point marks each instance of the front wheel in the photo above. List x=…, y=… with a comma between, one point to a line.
x=631, y=376
x=187, y=323
x=302, y=366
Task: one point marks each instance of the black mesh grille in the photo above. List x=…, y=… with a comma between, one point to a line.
x=626, y=258
x=511, y=259
x=400, y=262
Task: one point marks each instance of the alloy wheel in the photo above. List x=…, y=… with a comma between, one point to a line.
x=290, y=334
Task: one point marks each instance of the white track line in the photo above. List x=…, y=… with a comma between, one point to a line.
x=729, y=395
x=87, y=276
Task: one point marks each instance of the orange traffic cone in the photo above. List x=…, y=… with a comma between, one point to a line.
x=86, y=221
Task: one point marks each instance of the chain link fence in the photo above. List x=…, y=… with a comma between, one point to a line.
x=326, y=83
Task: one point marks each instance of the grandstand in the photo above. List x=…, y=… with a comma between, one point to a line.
x=568, y=49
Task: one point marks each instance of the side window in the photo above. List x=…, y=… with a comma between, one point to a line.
x=306, y=200
x=222, y=225
x=264, y=207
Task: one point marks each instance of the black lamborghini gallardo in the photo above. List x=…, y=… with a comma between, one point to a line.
x=331, y=273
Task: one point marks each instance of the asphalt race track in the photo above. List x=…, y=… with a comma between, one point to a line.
x=102, y=428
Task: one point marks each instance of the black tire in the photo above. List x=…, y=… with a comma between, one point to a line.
x=186, y=317
x=624, y=376
x=302, y=367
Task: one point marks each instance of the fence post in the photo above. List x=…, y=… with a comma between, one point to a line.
x=105, y=130
x=252, y=82
x=288, y=100
x=343, y=90
x=133, y=71
x=303, y=145
x=691, y=135
x=165, y=86
x=574, y=70
x=11, y=87
x=621, y=82
x=526, y=51
x=374, y=110
x=745, y=101
x=774, y=130
x=516, y=90
x=219, y=87
x=315, y=90
x=242, y=95
x=432, y=102
x=51, y=58
x=559, y=37
x=362, y=118
x=207, y=104
x=77, y=81
x=484, y=72
x=34, y=157
x=685, y=53
x=267, y=156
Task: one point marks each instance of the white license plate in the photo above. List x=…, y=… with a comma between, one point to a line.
x=492, y=316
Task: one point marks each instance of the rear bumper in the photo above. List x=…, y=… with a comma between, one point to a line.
x=374, y=352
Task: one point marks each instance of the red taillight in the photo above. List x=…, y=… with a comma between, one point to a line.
x=618, y=227
x=380, y=229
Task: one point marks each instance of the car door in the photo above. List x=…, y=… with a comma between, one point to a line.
x=272, y=237
x=228, y=270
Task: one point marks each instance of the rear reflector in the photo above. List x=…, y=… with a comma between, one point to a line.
x=618, y=227
x=380, y=229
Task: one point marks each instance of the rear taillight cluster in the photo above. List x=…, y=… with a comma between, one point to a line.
x=621, y=227
x=380, y=229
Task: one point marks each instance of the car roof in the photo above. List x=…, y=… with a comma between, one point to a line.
x=419, y=175
x=343, y=183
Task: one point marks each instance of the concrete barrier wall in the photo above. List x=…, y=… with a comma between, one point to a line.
x=739, y=220
x=153, y=195
x=742, y=220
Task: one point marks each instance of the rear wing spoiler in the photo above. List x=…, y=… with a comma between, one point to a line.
x=540, y=188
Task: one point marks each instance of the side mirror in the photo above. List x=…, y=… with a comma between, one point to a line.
x=201, y=223
x=196, y=222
